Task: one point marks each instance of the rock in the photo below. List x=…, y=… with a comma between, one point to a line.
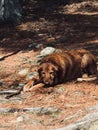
x=38, y=46
x=20, y=119
x=16, y=113
x=30, y=45
x=47, y=51
x=44, y=52
x=31, y=75
x=60, y=90
x=38, y=59
x=23, y=72
x=35, y=45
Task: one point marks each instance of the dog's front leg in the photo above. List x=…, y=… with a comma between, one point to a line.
x=37, y=86
x=28, y=86
x=32, y=85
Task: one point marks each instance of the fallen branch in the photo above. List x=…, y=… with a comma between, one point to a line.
x=8, y=91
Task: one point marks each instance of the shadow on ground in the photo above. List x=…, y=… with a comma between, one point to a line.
x=44, y=20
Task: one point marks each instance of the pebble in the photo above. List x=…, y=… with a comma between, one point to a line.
x=47, y=51
x=23, y=72
x=20, y=119
x=60, y=90
x=38, y=46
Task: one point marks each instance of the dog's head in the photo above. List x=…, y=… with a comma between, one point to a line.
x=48, y=73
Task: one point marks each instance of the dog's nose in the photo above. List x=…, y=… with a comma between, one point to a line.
x=46, y=82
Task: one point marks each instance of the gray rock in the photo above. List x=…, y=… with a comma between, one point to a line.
x=38, y=46
x=37, y=59
x=47, y=51
x=35, y=45
x=43, y=53
x=60, y=90
x=23, y=72
x=31, y=45
x=20, y=119
x=31, y=75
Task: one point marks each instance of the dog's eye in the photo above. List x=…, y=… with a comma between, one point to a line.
x=43, y=73
x=52, y=72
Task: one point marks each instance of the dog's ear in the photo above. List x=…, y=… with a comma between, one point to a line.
x=59, y=71
x=39, y=69
x=55, y=68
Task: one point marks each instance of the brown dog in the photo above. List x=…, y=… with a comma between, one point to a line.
x=60, y=67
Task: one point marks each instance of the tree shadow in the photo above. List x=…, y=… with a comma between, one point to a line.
x=43, y=17
x=44, y=8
